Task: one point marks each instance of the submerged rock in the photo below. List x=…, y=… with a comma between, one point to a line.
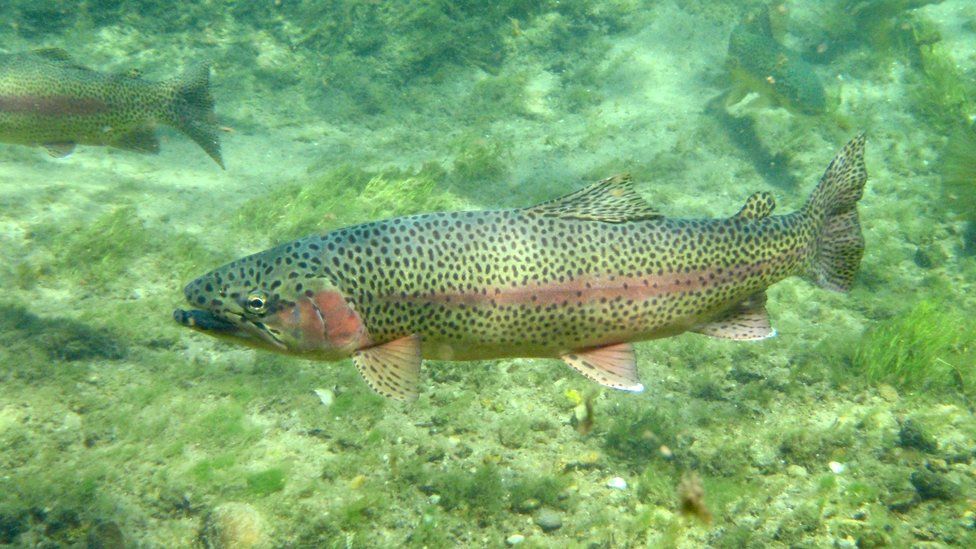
x=233, y=526
x=548, y=520
x=527, y=505
x=106, y=535
x=913, y=435
x=931, y=485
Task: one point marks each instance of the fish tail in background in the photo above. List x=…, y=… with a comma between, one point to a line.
x=192, y=110
x=839, y=245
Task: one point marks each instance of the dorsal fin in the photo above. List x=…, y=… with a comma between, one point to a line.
x=757, y=206
x=758, y=22
x=54, y=54
x=58, y=55
x=611, y=200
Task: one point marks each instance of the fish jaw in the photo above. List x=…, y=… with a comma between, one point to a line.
x=223, y=328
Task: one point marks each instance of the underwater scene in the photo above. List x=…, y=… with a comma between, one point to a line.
x=419, y=273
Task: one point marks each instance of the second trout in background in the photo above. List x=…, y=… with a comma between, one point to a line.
x=48, y=99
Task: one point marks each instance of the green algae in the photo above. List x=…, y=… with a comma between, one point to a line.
x=958, y=167
x=479, y=160
x=928, y=348
x=941, y=94
x=341, y=197
x=636, y=435
x=266, y=482
x=543, y=489
x=480, y=493
x=99, y=252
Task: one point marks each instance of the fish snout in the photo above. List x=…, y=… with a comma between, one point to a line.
x=205, y=321
x=181, y=317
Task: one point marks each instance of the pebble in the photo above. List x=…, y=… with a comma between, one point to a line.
x=548, y=520
x=795, y=470
x=836, y=467
x=233, y=525
x=845, y=543
x=528, y=505
x=326, y=396
x=106, y=535
x=888, y=393
x=617, y=483
x=514, y=539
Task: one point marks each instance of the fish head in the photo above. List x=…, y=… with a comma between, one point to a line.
x=261, y=302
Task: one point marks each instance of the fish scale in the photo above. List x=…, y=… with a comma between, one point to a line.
x=579, y=278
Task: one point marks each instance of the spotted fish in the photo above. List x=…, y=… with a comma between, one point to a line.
x=578, y=278
x=47, y=99
x=758, y=63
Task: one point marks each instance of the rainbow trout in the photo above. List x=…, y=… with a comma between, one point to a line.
x=47, y=99
x=757, y=62
x=578, y=278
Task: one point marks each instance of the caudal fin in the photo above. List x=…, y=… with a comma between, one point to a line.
x=192, y=110
x=839, y=245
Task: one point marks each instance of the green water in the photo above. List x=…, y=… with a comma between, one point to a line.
x=854, y=427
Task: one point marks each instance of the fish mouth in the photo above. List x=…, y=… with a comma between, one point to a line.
x=205, y=321
x=252, y=333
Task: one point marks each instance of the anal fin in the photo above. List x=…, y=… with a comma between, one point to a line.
x=613, y=366
x=393, y=368
x=141, y=140
x=60, y=150
x=745, y=321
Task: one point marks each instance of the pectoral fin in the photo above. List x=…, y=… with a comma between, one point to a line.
x=612, y=366
x=59, y=150
x=392, y=369
x=747, y=321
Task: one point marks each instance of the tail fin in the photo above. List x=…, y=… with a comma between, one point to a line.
x=192, y=110
x=839, y=245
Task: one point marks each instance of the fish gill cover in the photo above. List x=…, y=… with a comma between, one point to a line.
x=853, y=427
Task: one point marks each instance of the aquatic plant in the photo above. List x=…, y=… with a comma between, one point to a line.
x=266, y=482
x=635, y=433
x=941, y=95
x=99, y=252
x=811, y=447
x=543, y=489
x=656, y=483
x=478, y=160
x=344, y=196
x=958, y=167
x=479, y=493
x=887, y=27
x=930, y=347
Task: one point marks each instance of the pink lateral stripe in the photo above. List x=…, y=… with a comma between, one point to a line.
x=595, y=288
x=53, y=105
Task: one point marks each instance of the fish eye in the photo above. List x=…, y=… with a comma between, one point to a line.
x=257, y=302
